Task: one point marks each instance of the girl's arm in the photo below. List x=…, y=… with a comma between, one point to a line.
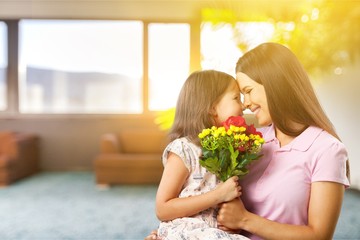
x=169, y=206
x=324, y=210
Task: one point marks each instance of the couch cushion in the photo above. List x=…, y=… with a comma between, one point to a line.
x=143, y=140
x=7, y=143
x=121, y=160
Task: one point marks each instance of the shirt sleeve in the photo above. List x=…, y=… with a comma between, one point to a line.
x=180, y=148
x=330, y=165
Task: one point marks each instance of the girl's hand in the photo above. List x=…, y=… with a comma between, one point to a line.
x=229, y=189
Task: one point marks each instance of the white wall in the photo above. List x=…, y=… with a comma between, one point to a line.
x=340, y=97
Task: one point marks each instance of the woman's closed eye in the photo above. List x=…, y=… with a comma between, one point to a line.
x=247, y=91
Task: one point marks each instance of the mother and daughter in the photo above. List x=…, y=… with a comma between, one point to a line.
x=294, y=192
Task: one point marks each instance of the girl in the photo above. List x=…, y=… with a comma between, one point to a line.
x=188, y=195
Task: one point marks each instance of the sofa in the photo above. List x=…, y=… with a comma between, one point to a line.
x=19, y=156
x=131, y=156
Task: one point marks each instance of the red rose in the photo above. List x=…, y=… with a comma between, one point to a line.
x=252, y=130
x=237, y=121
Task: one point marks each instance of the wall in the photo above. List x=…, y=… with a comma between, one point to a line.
x=340, y=97
x=71, y=143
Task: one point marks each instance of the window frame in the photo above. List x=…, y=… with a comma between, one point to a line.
x=13, y=111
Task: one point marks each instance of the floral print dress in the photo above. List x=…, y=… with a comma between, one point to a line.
x=202, y=225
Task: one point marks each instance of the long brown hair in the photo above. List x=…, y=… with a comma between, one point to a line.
x=290, y=94
x=200, y=92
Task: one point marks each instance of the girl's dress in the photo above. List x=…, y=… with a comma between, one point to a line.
x=202, y=225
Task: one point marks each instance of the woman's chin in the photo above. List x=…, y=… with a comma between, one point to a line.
x=262, y=121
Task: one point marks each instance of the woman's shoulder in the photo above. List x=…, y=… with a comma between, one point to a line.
x=329, y=157
x=324, y=138
x=322, y=143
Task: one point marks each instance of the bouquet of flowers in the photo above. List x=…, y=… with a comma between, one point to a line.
x=228, y=150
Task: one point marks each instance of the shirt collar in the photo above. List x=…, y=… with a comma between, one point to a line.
x=301, y=142
x=306, y=138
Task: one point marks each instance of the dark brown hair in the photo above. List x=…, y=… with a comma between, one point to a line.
x=200, y=92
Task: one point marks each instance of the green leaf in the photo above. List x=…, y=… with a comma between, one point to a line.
x=211, y=164
x=224, y=157
x=208, y=153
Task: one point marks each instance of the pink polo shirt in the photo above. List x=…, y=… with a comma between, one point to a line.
x=278, y=185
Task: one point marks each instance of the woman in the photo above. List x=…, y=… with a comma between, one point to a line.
x=295, y=191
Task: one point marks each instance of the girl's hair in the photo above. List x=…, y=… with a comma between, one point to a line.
x=200, y=92
x=290, y=95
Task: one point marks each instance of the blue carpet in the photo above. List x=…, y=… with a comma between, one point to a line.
x=52, y=206
x=68, y=206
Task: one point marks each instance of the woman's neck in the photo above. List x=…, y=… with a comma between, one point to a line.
x=285, y=139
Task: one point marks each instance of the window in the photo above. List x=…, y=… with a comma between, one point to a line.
x=169, y=63
x=3, y=66
x=220, y=45
x=74, y=66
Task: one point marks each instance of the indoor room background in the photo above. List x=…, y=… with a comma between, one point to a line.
x=71, y=71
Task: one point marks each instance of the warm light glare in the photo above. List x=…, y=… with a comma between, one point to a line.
x=219, y=46
x=315, y=14
x=338, y=71
x=94, y=46
x=305, y=18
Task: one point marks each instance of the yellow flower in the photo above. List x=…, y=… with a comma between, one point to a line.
x=242, y=129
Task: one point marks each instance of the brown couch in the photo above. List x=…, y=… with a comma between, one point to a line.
x=132, y=156
x=19, y=156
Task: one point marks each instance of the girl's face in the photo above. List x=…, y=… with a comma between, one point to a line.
x=229, y=104
x=254, y=98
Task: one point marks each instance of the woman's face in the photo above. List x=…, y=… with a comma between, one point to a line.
x=254, y=98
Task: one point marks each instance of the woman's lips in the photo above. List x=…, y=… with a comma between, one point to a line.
x=255, y=110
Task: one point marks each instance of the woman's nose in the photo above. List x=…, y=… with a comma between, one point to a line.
x=243, y=108
x=246, y=104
